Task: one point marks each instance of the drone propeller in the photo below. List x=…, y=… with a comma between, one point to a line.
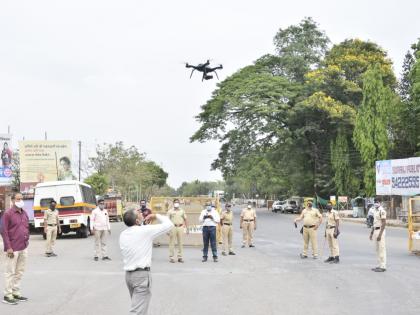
x=215, y=72
x=191, y=73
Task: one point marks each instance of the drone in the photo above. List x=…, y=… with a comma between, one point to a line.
x=206, y=69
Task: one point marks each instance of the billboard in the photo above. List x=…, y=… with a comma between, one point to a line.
x=44, y=160
x=398, y=177
x=6, y=159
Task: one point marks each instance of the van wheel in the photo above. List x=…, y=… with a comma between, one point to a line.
x=83, y=232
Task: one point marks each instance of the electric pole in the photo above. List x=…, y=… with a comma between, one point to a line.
x=80, y=158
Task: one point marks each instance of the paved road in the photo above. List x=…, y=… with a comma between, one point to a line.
x=268, y=279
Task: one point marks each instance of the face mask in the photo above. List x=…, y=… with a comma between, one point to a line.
x=377, y=204
x=208, y=208
x=52, y=207
x=176, y=205
x=249, y=206
x=20, y=204
x=102, y=207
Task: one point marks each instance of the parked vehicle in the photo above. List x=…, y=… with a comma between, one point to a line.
x=113, y=204
x=278, y=206
x=75, y=202
x=293, y=205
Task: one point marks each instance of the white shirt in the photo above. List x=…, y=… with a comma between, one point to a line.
x=207, y=221
x=136, y=242
x=100, y=219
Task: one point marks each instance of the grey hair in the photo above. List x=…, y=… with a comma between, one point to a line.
x=130, y=217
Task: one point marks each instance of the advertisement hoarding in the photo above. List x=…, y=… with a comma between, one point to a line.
x=398, y=177
x=6, y=175
x=44, y=160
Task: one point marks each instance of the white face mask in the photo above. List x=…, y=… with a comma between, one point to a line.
x=176, y=205
x=249, y=206
x=20, y=204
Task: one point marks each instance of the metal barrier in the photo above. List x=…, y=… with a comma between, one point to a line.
x=414, y=225
x=192, y=207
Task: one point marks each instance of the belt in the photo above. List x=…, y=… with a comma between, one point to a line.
x=377, y=228
x=227, y=223
x=178, y=225
x=140, y=269
x=52, y=224
x=330, y=226
x=309, y=226
x=249, y=220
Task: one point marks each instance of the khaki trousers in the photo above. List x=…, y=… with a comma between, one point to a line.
x=380, y=248
x=51, y=237
x=219, y=236
x=332, y=243
x=13, y=273
x=310, y=235
x=177, y=233
x=100, y=242
x=248, y=232
x=227, y=238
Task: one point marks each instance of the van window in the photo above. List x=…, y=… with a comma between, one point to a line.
x=88, y=195
x=67, y=201
x=45, y=202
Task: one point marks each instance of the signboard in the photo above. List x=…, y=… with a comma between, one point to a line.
x=44, y=160
x=398, y=177
x=342, y=198
x=6, y=174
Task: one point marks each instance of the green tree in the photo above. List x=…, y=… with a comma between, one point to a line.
x=128, y=170
x=345, y=179
x=300, y=48
x=98, y=182
x=414, y=121
x=372, y=124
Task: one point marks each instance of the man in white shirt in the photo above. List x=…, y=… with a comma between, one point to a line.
x=136, y=243
x=210, y=218
x=100, y=227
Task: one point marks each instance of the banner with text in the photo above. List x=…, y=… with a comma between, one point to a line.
x=42, y=161
x=6, y=159
x=398, y=177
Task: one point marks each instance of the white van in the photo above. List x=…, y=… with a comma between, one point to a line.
x=75, y=202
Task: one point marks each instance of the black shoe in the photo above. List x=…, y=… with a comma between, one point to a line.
x=48, y=255
x=204, y=259
x=232, y=253
x=379, y=269
x=53, y=255
x=95, y=258
x=243, y=246
x=251, y=245
x=106, y=258
x=10, y=301
x=303, y=256
x=329, y=259
x=215, y=259
x=335, y=260
x=20, y=298
x=180, y=260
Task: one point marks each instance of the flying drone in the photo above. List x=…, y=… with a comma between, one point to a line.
x=206, y=69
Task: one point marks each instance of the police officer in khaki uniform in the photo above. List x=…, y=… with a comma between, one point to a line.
x=226, y=221
x=312, y=218
x=331, y=233
x=51, y=227
x=378, y=235
x=179, y=219
x=248, y=225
